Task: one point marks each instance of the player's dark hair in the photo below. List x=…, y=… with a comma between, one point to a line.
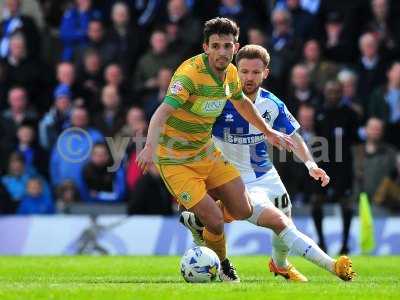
x=220, y=26
x=253, y=52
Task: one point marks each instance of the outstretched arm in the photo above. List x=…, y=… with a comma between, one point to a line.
x=248, y=111
x=303, y=153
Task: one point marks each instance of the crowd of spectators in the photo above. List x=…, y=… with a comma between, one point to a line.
x=104, y=66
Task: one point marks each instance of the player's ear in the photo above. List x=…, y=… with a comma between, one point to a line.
x=237, y=46
x=205, y=48
x=266, y=73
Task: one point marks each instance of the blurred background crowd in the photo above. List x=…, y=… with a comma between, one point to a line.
x=104, y=66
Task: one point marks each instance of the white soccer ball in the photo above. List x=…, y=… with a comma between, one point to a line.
x=200, y=264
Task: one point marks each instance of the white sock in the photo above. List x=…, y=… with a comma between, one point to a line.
x=279, y=251
x=302, y=245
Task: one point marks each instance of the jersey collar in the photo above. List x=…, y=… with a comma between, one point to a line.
x=258, y=97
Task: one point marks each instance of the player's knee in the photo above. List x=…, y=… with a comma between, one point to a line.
x=248, y=211
x=281, y=223
x=244, y=212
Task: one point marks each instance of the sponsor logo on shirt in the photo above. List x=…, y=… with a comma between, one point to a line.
x=214, y=105
x=208, y=108
x=244, y=139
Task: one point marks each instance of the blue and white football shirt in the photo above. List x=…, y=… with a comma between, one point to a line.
x=242, y=143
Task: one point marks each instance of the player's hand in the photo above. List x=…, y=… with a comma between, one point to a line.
x=319, y=174
x=145, y=158
x=280, y=140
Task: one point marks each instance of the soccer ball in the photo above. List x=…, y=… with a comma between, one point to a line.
x=200, y=264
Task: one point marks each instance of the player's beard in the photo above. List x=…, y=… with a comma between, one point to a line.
x=221, y=63
x=250, y=88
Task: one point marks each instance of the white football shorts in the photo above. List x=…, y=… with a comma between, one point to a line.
x=266, y=192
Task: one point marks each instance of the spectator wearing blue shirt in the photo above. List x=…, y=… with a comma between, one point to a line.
x=100, y=184
x=74, y=26
x=72, y=149
x=16, y=178
x=311, y=6
x=37, y=199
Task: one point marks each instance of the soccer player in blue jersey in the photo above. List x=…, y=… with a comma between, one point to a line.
x=245, y=146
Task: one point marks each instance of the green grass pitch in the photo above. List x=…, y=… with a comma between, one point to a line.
x=159, y=278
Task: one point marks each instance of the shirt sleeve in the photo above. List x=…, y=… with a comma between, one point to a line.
x=237, y=93
x=180, y=88
x=285, y=121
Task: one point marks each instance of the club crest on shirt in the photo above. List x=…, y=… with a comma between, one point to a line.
x=267, y=115
x=176, y=88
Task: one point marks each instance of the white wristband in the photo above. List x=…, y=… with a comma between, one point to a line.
x=311, y=165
